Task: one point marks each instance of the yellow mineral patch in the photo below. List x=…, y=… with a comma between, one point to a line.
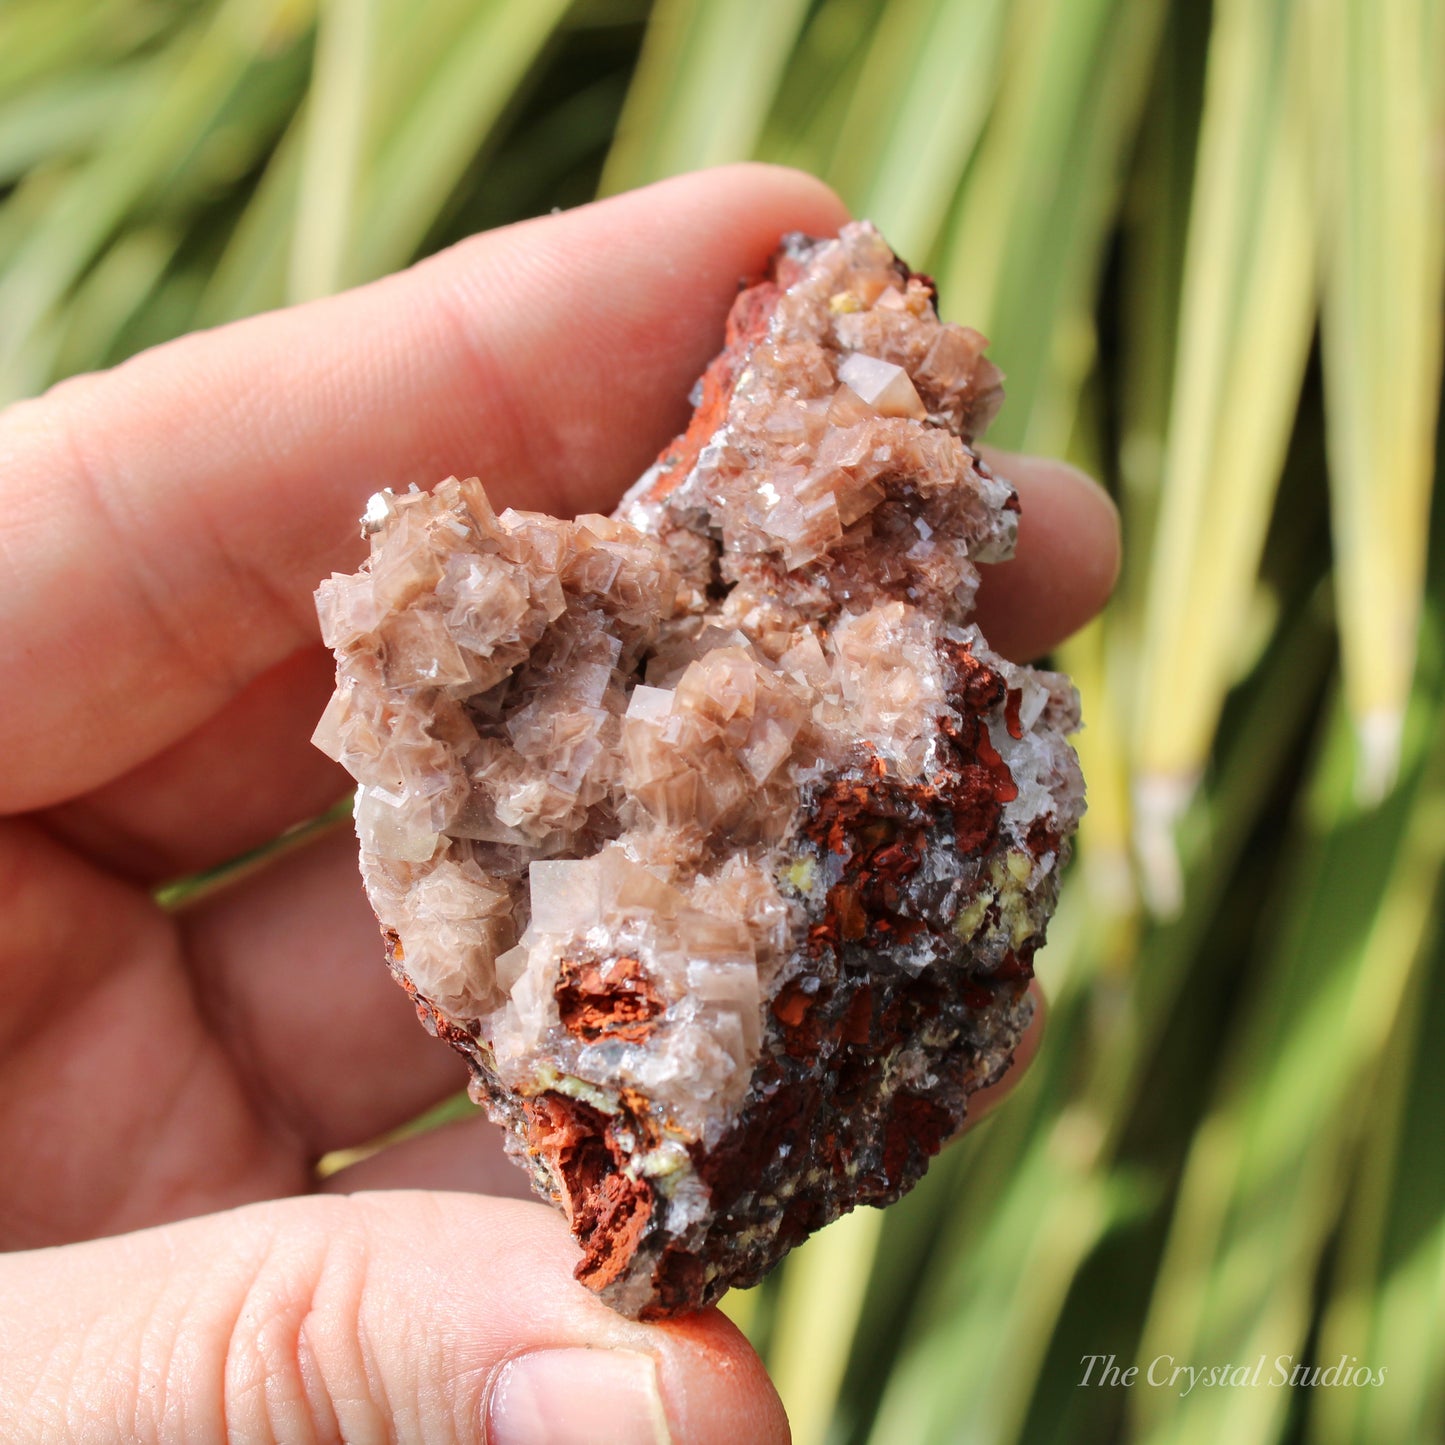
x=967, y=922
x=1021, y=926
x=662, y=1162
x=574, y=1088
x=802, y=874
x=1008, y=872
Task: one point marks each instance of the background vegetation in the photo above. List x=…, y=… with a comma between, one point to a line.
x=1208, y=247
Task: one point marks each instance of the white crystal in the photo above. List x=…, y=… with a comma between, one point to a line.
x=885, y=387
x=566, y=895
x=385, y=827
x=649, y=703
x=380, y=508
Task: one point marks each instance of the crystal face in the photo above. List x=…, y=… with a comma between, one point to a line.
x=713, y=833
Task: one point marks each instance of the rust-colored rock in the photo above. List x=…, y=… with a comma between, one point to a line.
x=713, y=833
x=609, y=1000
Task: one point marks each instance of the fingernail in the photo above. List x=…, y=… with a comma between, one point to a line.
x=577, y=1397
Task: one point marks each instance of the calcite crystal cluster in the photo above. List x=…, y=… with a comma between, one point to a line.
x=713, y=833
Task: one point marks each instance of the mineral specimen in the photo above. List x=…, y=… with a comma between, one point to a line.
x=712, y=833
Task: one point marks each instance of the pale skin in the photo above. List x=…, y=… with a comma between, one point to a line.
x=168, y=1081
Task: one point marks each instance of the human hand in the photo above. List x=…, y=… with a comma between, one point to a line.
x=163, y=527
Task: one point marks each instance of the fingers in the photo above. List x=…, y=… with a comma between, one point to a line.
x=1067, y=559
x=164, y=524
x=236, y=782
x=385, y=1316
x=289, y=964
x=118, y=1107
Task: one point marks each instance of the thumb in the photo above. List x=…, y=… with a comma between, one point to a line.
x=390, y=1316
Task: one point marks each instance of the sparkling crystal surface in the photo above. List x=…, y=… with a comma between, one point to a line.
x=713, y=833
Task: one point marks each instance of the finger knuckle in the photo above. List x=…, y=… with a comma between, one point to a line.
x=296, y=1366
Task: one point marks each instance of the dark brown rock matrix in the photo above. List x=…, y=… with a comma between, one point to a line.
x=712, y=833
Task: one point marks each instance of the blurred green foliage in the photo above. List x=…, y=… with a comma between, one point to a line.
x=1207, y=243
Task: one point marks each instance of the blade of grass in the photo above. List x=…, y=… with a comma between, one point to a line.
x=118, y=286
x=914, y=115
x=1155, y=225
x=427, y=151
x=819, y=1303
x=958, y=1399
x=1381, y=114
x=1027, y=241
x=816, y=90
x=44, y=38
x=251, y=273
x=68, y=116
x=704, y=83
x=1244, y=333
x=335, y=139
x=457, y=1107
x=557, y=148
x=1387, y=1304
